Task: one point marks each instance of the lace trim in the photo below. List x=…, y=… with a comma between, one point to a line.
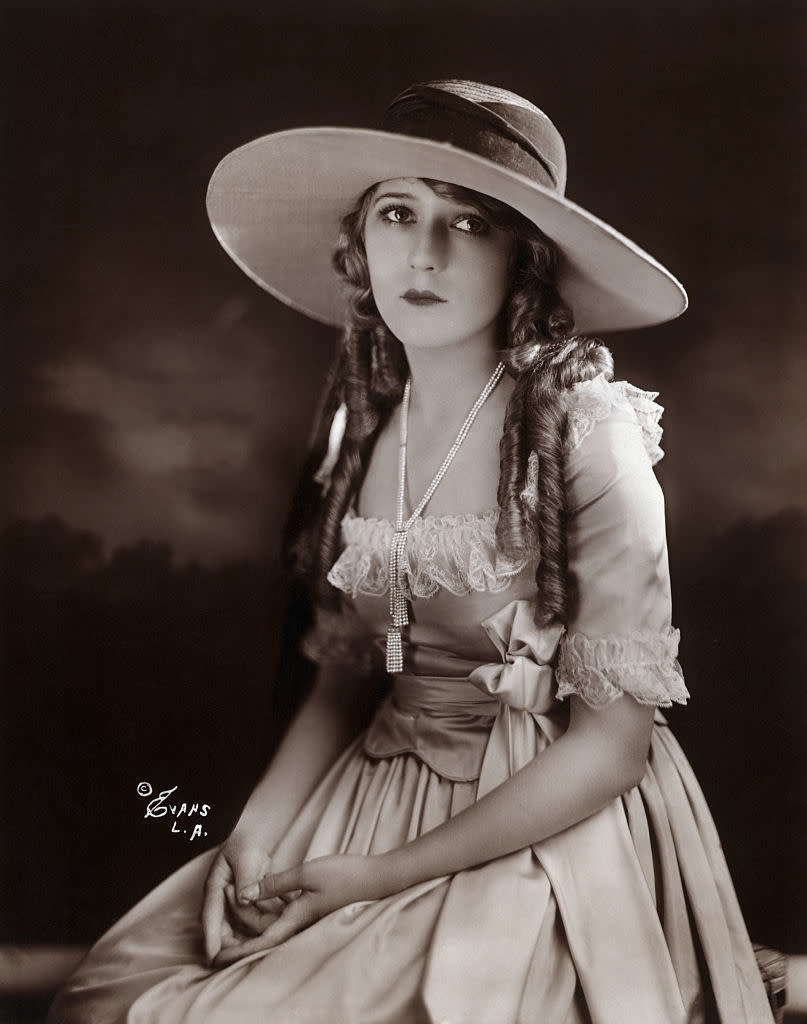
x=456, y=553
x=603, y=668
x=593, y=401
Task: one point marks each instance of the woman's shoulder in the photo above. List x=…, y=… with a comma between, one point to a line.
x=614, y=434
x=597, y=404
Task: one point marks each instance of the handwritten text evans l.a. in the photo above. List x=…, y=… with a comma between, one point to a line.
x=179, y=813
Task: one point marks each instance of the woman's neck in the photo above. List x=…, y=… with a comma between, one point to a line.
x=446, y=381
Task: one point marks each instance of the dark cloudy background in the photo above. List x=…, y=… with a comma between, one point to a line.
x=156, y=403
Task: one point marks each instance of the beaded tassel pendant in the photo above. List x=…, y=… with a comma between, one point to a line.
x=397, y=604
x=398, y=607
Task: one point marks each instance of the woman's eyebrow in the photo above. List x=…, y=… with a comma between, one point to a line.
x=465, y=205
x=393, y=195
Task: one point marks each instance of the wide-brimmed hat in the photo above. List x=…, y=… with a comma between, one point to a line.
x=276, y=203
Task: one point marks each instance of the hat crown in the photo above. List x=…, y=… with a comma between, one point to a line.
x=494, y=122
x=479, y=92
x=276, y=203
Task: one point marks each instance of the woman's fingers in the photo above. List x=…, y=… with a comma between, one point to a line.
x=253, y=918
x=289, y=897
x=246, y=918
x=283, y=884
x=248, y=867
x=297, y=916
x=228, y=921
x=212, y=920
x=213, y=909
x=228, y=936
x=292, y=880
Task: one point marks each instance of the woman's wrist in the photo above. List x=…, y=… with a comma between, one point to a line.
x=393, y=871
x=253, y=832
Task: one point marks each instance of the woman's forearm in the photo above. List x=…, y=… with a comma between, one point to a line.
x=575, y=776
x=330, y=717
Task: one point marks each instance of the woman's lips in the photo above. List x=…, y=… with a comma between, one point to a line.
x=416, y=298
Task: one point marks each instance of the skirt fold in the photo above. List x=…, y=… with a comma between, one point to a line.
x=514, y=941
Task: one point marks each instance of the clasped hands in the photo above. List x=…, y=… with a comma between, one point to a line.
x=262, y=914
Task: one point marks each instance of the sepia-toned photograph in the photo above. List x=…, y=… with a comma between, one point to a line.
x=403, y=537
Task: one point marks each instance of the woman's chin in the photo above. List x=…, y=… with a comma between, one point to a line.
x=426, y=334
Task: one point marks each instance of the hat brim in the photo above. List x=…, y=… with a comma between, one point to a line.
x=276, y=203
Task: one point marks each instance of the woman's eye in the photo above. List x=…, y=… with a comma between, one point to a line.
x=472, y=224
x=396, y=214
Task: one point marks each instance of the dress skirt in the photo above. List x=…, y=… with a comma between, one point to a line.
x=629, y=916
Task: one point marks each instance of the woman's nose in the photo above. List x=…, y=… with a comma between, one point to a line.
x=429, y=247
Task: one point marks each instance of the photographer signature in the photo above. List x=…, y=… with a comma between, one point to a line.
x=178, y=813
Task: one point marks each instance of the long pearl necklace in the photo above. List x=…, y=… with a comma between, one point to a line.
x=397, y=598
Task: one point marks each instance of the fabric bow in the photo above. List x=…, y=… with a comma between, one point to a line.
x=609, y=917
x=523, y=682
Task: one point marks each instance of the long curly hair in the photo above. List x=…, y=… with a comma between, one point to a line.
x=539, y=350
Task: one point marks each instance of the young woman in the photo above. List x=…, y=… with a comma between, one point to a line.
x=479, y=813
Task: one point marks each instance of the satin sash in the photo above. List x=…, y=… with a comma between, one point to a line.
x=609, y=915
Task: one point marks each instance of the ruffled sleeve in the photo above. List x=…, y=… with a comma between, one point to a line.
x=603, y=668
x=619, y=637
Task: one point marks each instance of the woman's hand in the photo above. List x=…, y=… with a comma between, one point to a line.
x=227, y=919
x=309, y=892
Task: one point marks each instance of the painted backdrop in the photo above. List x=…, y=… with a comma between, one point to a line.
x=157, y=404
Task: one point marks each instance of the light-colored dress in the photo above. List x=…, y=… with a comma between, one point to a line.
x=629, y=916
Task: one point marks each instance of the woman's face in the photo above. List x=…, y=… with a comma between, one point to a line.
x=439, y=269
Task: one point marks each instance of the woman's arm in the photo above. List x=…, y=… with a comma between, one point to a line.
x=620, y=587
x=330, y=717
x=601, y=755
x=333, y=714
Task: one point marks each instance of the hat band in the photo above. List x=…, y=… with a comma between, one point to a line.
x=429, y=113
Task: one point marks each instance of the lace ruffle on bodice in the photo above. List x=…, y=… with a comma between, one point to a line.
x=456, y=553
x=617, y=554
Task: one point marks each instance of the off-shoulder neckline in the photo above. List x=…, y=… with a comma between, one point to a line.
x=642, y=403
x=447, y=519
